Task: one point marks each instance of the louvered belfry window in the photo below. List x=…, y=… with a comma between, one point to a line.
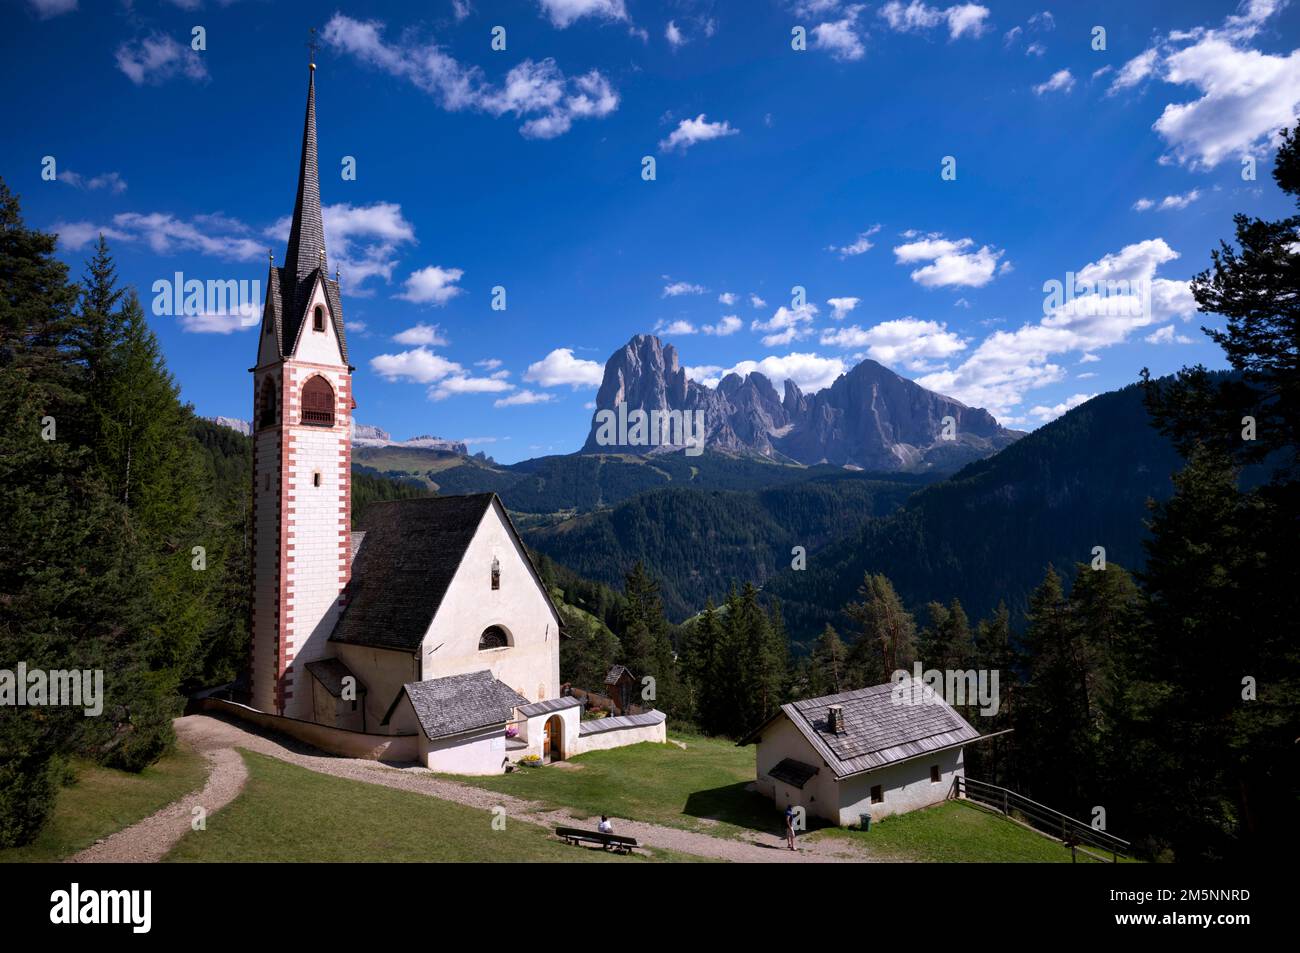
x=318, y=403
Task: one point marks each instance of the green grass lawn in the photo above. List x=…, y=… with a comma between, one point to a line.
x=103, y=801
x=289, y=814
x=701, y=788
x=957, y=831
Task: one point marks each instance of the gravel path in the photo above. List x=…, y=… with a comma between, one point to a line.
x=217, y=738
x=150, y=840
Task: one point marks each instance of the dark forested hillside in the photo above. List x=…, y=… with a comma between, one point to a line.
x=698, y=542
x=985, y=534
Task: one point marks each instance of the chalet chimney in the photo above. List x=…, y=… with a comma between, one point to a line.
x=835, y=719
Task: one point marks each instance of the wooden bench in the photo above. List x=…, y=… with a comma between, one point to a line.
x=576, y=835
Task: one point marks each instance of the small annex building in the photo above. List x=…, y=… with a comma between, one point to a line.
x=883, y=750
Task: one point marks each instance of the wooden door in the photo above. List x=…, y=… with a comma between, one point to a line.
x=546, y=741
x=553, y=748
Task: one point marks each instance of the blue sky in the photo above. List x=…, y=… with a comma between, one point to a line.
x=775, y=168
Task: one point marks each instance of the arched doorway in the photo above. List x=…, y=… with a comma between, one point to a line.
x=553, y=740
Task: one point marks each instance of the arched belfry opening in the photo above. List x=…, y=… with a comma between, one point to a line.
x=318, y=403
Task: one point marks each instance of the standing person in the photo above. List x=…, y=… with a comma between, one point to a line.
x=789, y=826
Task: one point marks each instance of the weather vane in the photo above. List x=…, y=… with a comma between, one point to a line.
x=312, y=45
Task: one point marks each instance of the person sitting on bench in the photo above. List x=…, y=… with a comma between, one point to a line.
x=605, y=827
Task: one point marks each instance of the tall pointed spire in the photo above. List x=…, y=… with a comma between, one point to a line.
x=306, y=251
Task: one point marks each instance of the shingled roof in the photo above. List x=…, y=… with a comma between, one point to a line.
x=289, y=289
x=407, y=559
x=879, y=729
x=330, y=672
x=459, y=703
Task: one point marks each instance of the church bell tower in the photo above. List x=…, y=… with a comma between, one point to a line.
x=302, y=455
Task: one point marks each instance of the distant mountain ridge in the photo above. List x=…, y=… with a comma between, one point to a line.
x=869, y=417
x=365, y=435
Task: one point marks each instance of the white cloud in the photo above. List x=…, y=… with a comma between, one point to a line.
x=842, y=306
x=810, y=372
x=728, y=298
x=362, y=239
x=841, y=38
x=465, y=384
x=421, y=334
x=1167, y=335
x=560, y=367
x=112, y=181
x=1134, y=71
x=951, y=263
x=907, y=341
x=1046, y=414
x=537, y=92
x=786, y=325
x=1007, y=364
x=858, y=246
x=157, y=58
x=915, y=17
x=1062, y=81
x=726, y=326
x=673, y=34
x=419, y=365
x=225, y=322
x=1169, y=202
x=691, y=131
x=490, y=363
x=677, y=288
x=756, y=302
x=678, y=327
x=51, y=8
x=563, y=13
x=524, y=397
x=432, y=285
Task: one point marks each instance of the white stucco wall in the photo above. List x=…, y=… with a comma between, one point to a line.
x=621, y=737
x=533, y=730
x=531, y=663
x=481, y=752
x=907, y=786
x=383, y=673
x=781, y=740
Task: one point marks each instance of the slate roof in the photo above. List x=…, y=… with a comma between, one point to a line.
x=878, y=730
x=289, y=289
x=407, y=559
x=548, y=706
x=616, y=673
x=794, y=773
x=355, y=541
x=460, y=703
x=330, y=672
x=598, y=726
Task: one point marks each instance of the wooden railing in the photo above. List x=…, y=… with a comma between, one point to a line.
x=1072, y=832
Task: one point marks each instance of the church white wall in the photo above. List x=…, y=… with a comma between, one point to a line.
x=531, y=663
x=620, y=738
x=383, y=673
x=318, y=347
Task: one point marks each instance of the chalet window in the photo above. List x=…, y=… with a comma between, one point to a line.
x=496, y=573
x=493, y=637
x=318, y=319
x=318, y=403
x=934, y=774
x=877, y=795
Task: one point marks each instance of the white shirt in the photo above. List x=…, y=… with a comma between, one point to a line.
x=605, y=827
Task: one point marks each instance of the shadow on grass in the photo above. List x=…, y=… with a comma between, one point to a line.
x=738, y=805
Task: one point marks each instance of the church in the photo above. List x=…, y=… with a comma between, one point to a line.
x=429, y=620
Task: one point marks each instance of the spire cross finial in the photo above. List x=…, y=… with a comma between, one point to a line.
x=313, y=46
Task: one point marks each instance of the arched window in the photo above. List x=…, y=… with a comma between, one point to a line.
x=266, y=416
x=496, y=573
x=318, y=319
x=318, y=403
x=493, y=637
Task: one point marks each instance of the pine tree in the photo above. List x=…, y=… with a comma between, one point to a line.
x=886, y=634
x=828, y=669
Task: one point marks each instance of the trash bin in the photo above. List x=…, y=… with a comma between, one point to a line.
x=864, y=822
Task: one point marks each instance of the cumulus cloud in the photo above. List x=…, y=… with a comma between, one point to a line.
x=433, y=285
x=909, y=342
x=563, y=13
x=455, y=384
x=419, y=365
x=842, y=306
x=675, y=328
x=524, y=397
x=223, y=322
x=786, y=325
x=363, y=239
x=728, y=298
x=677, y=288
x=1167, y=335
x=1045, y=414
x=426, y=334
x=112, y=181
x=537, y=92
x=726, y=326
x=756, y=302
x=950, y=263
x=51, y=8
x=157, y=58
x=965, y=19
x=692, y=131
x=811, y=372
x=1169, y=202
x=841, y=38
x=560, y=367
